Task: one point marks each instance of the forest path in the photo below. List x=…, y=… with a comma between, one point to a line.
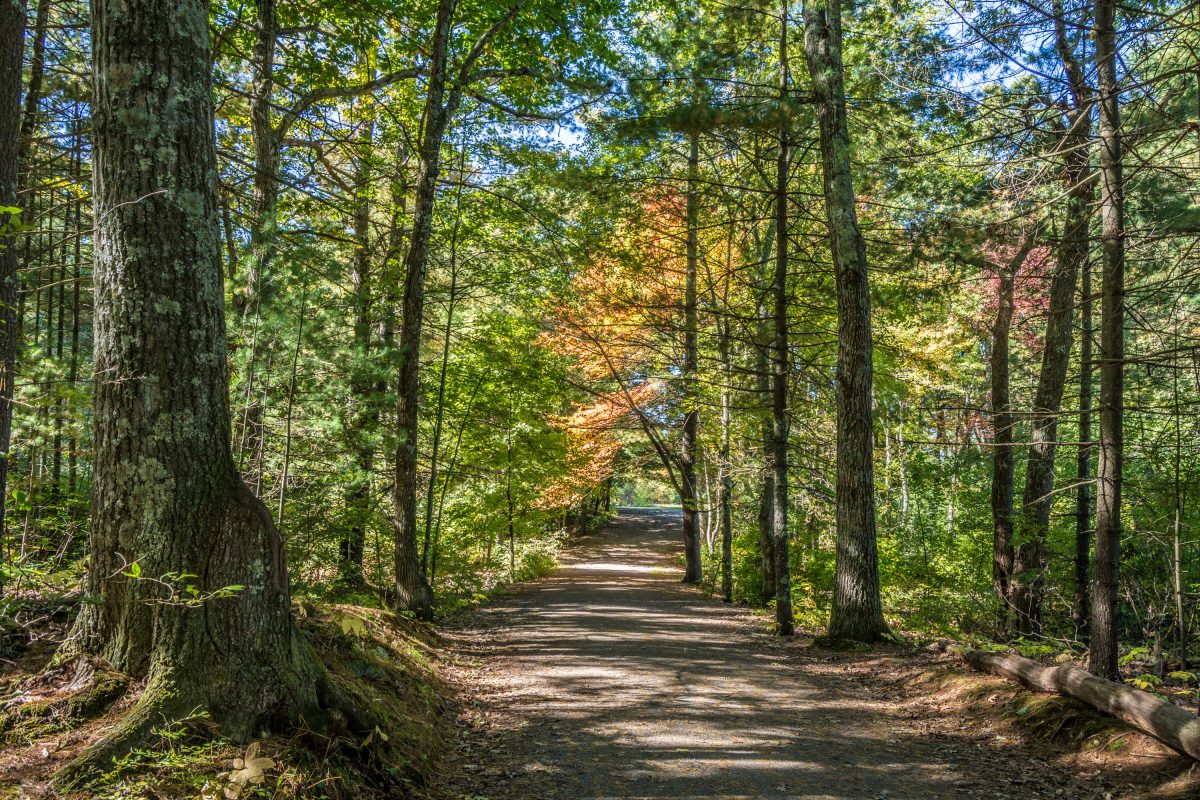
x=609, y=679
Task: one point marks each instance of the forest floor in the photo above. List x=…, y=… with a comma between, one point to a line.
x=609, y=679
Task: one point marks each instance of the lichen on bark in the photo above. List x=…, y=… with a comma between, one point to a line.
x=166, y=493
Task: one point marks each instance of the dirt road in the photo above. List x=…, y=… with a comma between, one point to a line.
x=611, y=680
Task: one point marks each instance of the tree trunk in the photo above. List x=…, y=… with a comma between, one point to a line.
x=1030, y=561
x=691, y=422
x=726, y=476
x=1081, y=591
x=857, y=611
x=440, y=414
x=166, y=492
x=12, y=52
x=508, y=497
x=364, y=416
x=412, y=590
x=1102, y=658
x=10, y=340
x=60, y=336
x=76, y=314
x=784, y=624
x=1002, y=434
x=265, y=199
x=1177, y=570
x=287, y=416
x=1074, y=248
x=263, y=229
x=439, y=419
x=33, y=97
x=763, y=349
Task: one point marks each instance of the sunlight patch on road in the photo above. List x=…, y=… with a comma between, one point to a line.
x=596, y=566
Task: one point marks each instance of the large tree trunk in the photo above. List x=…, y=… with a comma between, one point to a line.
x=784, y=624
x=166, y=493
x=12, y=44
x=1162, y=719
x=857, y=611
x=412, y=589
x=691, y=422
x=1102, y=659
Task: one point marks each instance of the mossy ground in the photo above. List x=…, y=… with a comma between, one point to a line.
x=383, y=662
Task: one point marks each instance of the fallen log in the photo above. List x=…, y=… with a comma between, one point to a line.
x=1162, y=719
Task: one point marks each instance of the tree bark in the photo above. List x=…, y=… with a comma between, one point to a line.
x=692, y=572
x=166, y=492
x=12, y=52
x=412, y=590
x=1102, y=659
x=857, y=611
x=784, y=624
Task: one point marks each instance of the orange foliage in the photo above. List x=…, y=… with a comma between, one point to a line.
x=591, y=445
x=619, y=326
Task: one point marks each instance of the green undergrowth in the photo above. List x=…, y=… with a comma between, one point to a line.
x=383, y=662
x=464, y=586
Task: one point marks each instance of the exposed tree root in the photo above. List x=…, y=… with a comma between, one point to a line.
x=159, y=706
x=167, y=702
x=60, y=698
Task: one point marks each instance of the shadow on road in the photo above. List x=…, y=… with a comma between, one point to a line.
x=610, y=679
